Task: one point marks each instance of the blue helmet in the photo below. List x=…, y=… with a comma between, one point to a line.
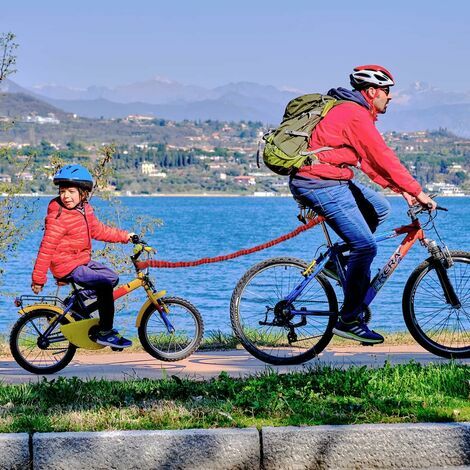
x=74, y=175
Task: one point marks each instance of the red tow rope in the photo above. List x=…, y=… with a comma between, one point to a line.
x=155, y=263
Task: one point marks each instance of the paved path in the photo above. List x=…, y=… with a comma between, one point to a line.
x=201, y=365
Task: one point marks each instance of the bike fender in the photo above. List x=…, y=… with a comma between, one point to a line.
x=31, y=308
x=54, y=308
x=142, y=310
x=146, y=305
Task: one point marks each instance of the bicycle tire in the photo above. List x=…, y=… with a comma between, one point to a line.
x=18, y=352
x=280, y=354
x=193, y=324
x=424, y=300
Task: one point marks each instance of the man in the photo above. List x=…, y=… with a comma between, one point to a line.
x=351, y=209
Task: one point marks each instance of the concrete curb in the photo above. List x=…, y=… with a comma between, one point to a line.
x=385, y=446
x=367, y=446
x=195, y=448
x=14, y=451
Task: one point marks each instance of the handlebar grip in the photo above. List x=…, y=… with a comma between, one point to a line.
x=440, y=208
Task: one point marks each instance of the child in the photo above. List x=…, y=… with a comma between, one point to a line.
x=66, y=248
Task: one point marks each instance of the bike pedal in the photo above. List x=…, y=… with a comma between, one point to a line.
x=367, y=344
x=116, y=349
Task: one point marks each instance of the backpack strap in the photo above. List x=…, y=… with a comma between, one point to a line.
x=297, y=133
x=321, y=149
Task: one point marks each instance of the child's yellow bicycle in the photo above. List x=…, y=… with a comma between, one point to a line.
x=49, y=331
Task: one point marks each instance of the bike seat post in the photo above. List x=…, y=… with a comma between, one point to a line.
x=327, y=235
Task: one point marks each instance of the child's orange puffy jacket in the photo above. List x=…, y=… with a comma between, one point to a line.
x=67, y=240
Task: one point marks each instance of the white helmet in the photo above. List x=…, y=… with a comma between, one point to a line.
x=364, y=76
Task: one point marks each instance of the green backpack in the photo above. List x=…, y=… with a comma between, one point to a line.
x=285, y=149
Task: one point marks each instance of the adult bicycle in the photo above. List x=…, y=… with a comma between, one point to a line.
x=49, y=330
x=283, y=310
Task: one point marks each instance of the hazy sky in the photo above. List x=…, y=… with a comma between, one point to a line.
x=302, y=44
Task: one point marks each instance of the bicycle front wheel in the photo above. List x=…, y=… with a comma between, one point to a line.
x=35, y=353
x=263, y=322
x=176, y=340
x=433, y=322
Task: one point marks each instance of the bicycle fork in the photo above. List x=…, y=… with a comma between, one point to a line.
x=161, y=308
x=441, y=260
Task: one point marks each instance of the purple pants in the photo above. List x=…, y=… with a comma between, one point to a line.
x=101, y=280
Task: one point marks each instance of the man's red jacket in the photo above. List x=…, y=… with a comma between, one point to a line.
x=66, y=243
x=350, y=129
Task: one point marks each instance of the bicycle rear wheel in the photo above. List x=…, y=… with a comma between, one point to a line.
x=436, y=325
x=182, y=341
x=262, y=322
x=34, y=353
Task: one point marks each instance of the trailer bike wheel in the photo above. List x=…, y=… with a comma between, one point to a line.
x=175, y=342
x=437, y=326
x=262, y=321
x=35, y=353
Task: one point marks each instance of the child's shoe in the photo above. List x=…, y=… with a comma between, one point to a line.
x=112, y=338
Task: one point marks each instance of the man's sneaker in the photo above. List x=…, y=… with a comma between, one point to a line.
x=358, y=331
x=112, y=338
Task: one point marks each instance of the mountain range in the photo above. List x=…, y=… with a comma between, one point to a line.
x=418, y=107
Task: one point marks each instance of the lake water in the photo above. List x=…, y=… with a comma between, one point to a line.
x=196, y=227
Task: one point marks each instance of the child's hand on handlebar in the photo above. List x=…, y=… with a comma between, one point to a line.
x=36, y=288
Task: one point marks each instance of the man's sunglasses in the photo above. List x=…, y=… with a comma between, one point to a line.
x=385, y=89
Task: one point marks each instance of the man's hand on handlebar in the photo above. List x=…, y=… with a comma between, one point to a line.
x=426, y=201
x=410, y=200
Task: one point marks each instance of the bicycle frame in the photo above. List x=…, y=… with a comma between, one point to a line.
x=53, y=302
x=413, y=232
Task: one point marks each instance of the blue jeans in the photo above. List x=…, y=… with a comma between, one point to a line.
x=354, y=212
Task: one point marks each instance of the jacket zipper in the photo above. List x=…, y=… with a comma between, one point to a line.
x=83, y=212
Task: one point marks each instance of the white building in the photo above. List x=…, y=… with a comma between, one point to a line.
x=5, y=178
x=149, y=169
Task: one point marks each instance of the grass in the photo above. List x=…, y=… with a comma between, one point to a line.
x=322, y=395
x=4, y=348
x=217, y=340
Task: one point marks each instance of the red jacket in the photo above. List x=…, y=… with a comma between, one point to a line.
x=66, y=243
x=350, y=129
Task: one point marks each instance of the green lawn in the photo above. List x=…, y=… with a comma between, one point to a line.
x=323, y=395
x=217, y=340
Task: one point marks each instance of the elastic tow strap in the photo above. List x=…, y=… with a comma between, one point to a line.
x=153, y=263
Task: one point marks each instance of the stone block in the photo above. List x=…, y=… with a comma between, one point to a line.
x=183, y=449
x=428, y=445
x=14, y=451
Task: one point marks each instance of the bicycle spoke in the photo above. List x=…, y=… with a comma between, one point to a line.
x=438, y=323
x=260, y=301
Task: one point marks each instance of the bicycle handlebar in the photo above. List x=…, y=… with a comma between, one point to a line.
x=136, y=240
x=416, y=209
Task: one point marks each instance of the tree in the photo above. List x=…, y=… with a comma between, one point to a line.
x=11, y=223
x=8, y=47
